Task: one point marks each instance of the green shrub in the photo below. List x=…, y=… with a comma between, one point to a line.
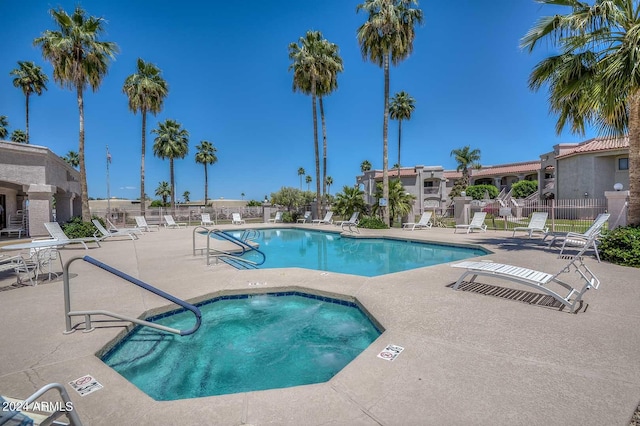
x=524, y=188
x=477, y=191
x=76, y=228
x=621, y=246
x=158, y=203
x=288, y=217
x=372, y=222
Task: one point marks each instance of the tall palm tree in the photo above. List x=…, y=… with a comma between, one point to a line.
x=146, y=90
x=301, y=172
x=171, y=142
x=467, y=159
x=72, y=158
x=4, y=123
x=308, y=180
x=595, y=79
x=18, y=136
x=163, y=190
x=401, y=107
x=365, y=166
x=329, y=181
x=30, y=78
x=387, y=36
x=206, y=155
x=79, y=60
x=186, y=196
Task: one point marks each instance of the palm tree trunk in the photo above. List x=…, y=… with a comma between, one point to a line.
x=206, y=185
x=634, y=159
x=84, y=190
x=173, y=188
x=385, y=144
x=324, y=148
x=27, y=118
x=399, y=140
x=144, y=150
x=315, y=144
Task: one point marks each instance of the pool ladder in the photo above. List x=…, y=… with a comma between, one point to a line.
x=245, y=244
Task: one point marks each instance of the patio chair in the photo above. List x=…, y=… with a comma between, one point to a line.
x=170, y=223
x=277, y=219
x=236, y=219
x=351, y=223
x=28, y=412
x=205, y=219
x=56, y=232
x=581, y=239
x=142, y=224
x=477, y=222
x=10, y=231
x=537, y=223
x=327, y=219
x=305, y=218
x=19, y=266
x=424, y=222
x=107, y=234
x=537, y=279
x=111, y=227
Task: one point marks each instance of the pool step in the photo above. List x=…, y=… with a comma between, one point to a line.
x=238, y=262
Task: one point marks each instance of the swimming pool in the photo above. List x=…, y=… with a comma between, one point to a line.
x=246, y=343
x=369, y=257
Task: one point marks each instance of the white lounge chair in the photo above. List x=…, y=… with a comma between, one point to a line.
x=537, y=279
x=58, y=234
x=305, y=218
x=19, y=266
x=578, y=239
x=477, y=222
x=144, y=226
x=277, y=219
x=537, y=223
x=107, y=234
x=351, y=223
x=424, y=222
x=236, y=219
x=10, y=231
x=327, y=219
x=111, y=227
x=205, y=219
x=28, y=412
x=170, y=223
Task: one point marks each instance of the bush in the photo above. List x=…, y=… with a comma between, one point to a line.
x=288, y=217
x=76, y=228
x=372, y=223
x=158, y=203
x=524, y=188
x=477, y=191
x=621, y=246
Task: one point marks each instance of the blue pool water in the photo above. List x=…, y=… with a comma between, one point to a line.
x=369, y=257
x=245, y=343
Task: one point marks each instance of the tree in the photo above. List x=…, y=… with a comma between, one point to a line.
x=595, y=79
x=4, y=123
x=308, y=180
x=172, y=142
x=242, y=195
x=18, y=136
x=329, y=181
x=301, y=172
x=79, y=60
x=365, y=166
x=387, y=37
x=30, y=78
x=206, y=155
x=164, y=191
x=72, y=158
x=146, y=90
x=401, y=107
x=186, y=195
x=466, y=159
x=291, y=198
x=400, y=201
x=350, y=200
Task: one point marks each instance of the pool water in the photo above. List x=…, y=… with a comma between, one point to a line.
x=245, y=343
x=369, y=257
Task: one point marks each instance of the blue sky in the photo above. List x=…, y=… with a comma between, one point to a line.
x=226, y=64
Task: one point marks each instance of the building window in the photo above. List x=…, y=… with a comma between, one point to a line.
x=428, y=184
x=623, y=163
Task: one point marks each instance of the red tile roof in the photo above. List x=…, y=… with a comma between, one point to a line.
x=598, y=145
x=506, y=169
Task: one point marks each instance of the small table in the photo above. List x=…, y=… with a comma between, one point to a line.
x=37, y=246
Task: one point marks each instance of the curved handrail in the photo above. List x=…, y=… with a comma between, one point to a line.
x=195, y=232
x=245, y=246
x=127, y=277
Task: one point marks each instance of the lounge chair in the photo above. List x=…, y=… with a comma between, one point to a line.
x=58, y=234
x=28, y=412
x=578, y=239
x=205, y=219
x=351, y=223
x=327, y=219
x=277, y=219
x=236, y=219
x=111, y=227
x=170, y=223
x=19, y=266
x=537, y=279
x=477, y=222
x=107, y=234
x=10, y=231
x=424, y=222
x=142, y=224
x=305, y=218
x=537, y=223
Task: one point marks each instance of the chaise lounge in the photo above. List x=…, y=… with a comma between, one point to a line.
x=424, y=222
x=477, y=222
x=536, y=224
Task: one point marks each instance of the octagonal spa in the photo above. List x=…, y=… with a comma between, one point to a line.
x=247, y=342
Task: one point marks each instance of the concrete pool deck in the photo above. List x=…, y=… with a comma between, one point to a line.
x=468, y=358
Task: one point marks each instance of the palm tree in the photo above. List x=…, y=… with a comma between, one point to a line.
x=308, y=180
x=146, y=91
x=186, y=195
x=72, y=158
x=400, y=201
x=401, y=107
x=172, y=142
x=242, y=195
x=301, y=172
x=365, y=166
x=387, y=36
x=350, y=200
x=206, y=155
x=31, y=79
x=594, y=80
x=329, y=181
x=164, y=191
x=467, y=159
x=18, y=136
x=4, y=123
x=79, y=60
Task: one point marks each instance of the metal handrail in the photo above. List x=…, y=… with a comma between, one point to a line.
x=245, y=246
x=87, y=314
